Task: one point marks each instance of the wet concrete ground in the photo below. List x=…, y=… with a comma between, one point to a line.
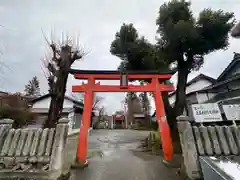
x=114, y=154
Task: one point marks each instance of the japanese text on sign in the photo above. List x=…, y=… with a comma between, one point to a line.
x=206, y=112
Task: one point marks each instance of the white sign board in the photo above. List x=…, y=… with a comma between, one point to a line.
x=232, y=111
x=206, y=112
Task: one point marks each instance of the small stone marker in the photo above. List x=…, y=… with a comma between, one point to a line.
x=209, y=112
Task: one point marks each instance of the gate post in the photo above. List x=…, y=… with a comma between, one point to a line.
x=162, y=123
x=85, y=123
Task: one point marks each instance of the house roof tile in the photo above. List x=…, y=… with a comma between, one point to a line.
x=235, y=60
x=197, y=78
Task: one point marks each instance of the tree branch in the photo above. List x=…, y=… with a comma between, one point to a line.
x=77, y=55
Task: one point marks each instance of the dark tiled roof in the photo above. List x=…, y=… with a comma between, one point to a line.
x=237, y=77
x=221, y=82
x=197, y=78
x=235, y=32
x=201, y=76
x=211, y=88
x=235, y=60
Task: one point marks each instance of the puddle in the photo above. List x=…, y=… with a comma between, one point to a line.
x=93, y=154
x=108, y=152
x=101, y=154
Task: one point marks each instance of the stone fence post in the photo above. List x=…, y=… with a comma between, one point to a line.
x=189, y=149
x=5, y=125
x=6, y=122
x=57, y=158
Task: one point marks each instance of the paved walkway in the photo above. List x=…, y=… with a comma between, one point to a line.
x=114, y=155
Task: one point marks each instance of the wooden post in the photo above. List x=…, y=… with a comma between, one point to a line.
x=85, y=124
x=162, y=123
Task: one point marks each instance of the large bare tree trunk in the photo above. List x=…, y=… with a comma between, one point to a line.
x=56, y=104
x=58, y=70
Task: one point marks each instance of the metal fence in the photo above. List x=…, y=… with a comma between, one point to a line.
x=220, y=168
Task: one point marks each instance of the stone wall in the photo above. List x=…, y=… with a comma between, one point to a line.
x=32, y=153
x=206, y=140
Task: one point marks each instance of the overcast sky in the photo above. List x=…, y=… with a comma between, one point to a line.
x=95, y=22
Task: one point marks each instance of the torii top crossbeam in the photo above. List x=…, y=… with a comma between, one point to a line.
x=124, y=77
x=115, y=75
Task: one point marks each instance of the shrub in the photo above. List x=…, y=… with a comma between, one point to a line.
x=20, y=116
x=154, y=125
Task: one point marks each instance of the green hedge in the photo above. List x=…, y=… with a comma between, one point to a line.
x=154, y=125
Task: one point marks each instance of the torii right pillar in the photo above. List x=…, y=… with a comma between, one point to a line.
x=164, y=129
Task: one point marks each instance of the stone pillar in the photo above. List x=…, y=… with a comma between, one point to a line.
x=5, y=125
x=57, y=157
x=189, y=149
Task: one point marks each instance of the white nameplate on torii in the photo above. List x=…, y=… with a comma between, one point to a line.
x=209, y=112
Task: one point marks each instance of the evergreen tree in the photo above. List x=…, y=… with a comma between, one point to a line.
x=32, y=88
x=183, y=40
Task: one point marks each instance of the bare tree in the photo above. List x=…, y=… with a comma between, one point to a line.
x=97, y=100
x=101, y=113
x=100, y=118
x=58, y=66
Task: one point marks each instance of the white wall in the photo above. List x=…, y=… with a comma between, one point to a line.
x=172, y=99
x=211, y=95
x=45, y=103
x=198, y=85
x=203, y=97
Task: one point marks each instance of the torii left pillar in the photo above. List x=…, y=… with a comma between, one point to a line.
x=85, y=123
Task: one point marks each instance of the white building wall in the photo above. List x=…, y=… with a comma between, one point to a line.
x=211, y=95
x=45, y=103
x=198, y=85
x=203, y=97
x=193, y=87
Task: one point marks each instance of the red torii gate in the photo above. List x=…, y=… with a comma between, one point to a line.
x=156, y=86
